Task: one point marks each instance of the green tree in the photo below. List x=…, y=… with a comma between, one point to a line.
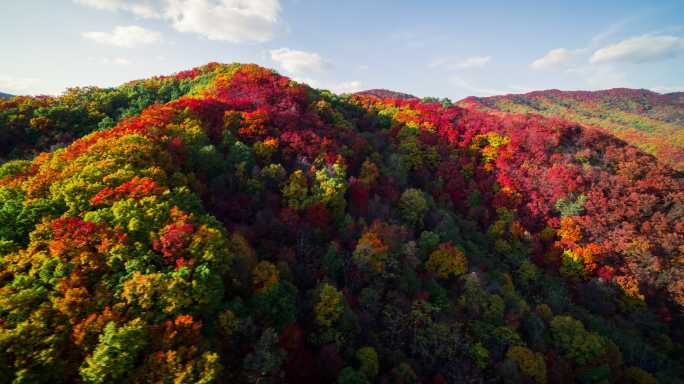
x=296, y=190
x=404, y=374
x=530, y=363
x=350, y=376
x=329, y=187
x=368, y=362
x=115, y=355
x=264, y=363
x=413, y=206
x=329, y=306
x=427, y=243
x=571, y=206
x=577, y=343
x=277, y=305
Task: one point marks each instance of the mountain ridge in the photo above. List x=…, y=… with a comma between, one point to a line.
x=651, y=121
x=606, y=91
x=386, y=94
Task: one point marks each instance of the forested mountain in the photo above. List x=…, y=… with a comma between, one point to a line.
x=229, y=225
x=386, y=94
x=34, y=124
x=650, y=121
x=5, y=95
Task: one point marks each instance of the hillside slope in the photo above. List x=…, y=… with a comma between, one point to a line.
x=29, y=125
x=258, y=230
x=5, y=95
x=651, y=121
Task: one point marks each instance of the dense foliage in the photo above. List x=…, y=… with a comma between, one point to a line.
x=647, y=120
x=257, y=230
x=29, y=125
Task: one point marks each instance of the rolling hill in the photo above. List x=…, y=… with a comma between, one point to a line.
x=227, y=224
x=650, y=121
x=5, y=95
x=386, y=94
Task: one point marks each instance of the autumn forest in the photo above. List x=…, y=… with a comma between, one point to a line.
x=226, y=224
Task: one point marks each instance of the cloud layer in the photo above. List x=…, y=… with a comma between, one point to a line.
x=125, y=36
x=298, y=62
x=235, y=21
x=109, y=60
x=348, y=87
x=469, y=62
x=17, y=85
x=554, y=58
x=141, y=8
x=640, y=49
x=228, y=20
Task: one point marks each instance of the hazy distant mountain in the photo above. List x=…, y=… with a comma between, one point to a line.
x=5, y=95
x=386, y=94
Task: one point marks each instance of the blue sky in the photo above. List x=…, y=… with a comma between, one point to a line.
x=428, y=48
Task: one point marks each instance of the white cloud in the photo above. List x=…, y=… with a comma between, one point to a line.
x=640, y=49
x=234, y=21
x=107, y=60
x=125, y=36
x=555, y=58
x=144, y=10
x=475, y=62
x=17, y=85
x=611, y=30
x=348, y=87
x=108, y=5
x=469, y=62
x=141, y=8
x=299, y=62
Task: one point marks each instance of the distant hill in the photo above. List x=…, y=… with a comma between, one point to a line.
x=651, y=121
x=5, y=95
x=678, y=96
x=386, y=94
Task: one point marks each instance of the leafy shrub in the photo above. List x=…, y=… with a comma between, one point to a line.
x=447, y=261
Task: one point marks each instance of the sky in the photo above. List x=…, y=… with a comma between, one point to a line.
x=434, y=48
